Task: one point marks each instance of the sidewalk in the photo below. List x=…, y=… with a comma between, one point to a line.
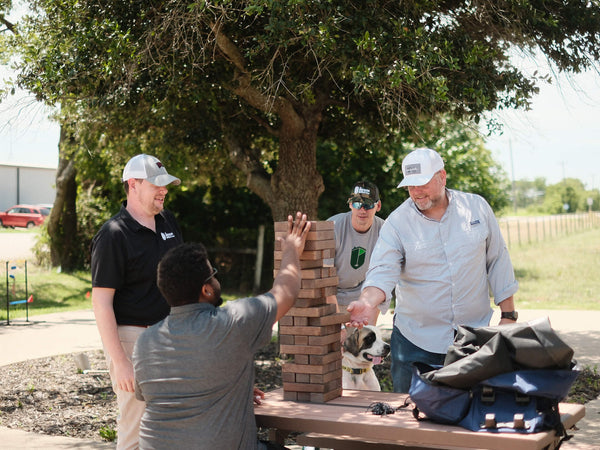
x=72, y=332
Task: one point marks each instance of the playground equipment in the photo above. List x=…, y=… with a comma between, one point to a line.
x=11, y=279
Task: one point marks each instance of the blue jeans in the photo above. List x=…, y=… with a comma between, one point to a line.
x=404, y=353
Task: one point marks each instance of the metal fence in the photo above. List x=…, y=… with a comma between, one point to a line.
x=528, y=230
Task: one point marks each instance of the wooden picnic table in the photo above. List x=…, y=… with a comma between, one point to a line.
x=349, y=416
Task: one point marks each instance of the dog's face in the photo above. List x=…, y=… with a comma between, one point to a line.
x=366, y=345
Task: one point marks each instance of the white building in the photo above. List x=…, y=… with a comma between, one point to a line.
x=26, y=185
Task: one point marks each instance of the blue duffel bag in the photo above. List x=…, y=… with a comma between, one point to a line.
x=514, y=398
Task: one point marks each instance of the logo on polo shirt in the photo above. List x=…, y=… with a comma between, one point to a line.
x=357, y=257
x=166, y=236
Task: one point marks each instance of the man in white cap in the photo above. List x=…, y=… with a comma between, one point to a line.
x=125, y=297
x=442, y=252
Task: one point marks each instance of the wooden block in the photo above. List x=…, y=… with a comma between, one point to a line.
x=300, y=321
x=306, y=255
x=313, y=369
x=311, y=245
x=309, y=302
x=302, y=378
x=301, y=359
x=323, y=340
x=314, y=226
x=303, y=396
x=316, y=313
x=318, y=387
x=324, y=378
x=315, y=283
x=303, y=387
x=290, y=396
x=313, y=293
x=304, y=264
x=304, y=349
x=286, y=339
x=325, y=359
x=308, y=331
x=328, y=244
x=289, y=377
x=328, y=253
x=329, y=290
x=328, y=272
x=328, y=319
x=308, y=274
x=286, y=321
x=301, y=340
x=326, y=396
x=312, y=235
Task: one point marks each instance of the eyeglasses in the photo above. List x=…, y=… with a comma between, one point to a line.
x=358, y=205
x=213, y=273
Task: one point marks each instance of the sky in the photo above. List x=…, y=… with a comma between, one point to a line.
x=559, y=137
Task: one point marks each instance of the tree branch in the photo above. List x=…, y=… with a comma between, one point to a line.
x=278, y=105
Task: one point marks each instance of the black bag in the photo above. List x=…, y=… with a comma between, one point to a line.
x=508, y=378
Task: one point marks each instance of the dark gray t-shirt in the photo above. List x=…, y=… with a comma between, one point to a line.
x=195, y=370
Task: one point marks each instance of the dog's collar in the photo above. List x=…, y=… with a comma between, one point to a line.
x=354, y=371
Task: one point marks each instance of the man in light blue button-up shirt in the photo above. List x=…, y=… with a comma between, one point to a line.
x=442, y=252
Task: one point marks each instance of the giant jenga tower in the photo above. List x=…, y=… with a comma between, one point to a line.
x=310, y=332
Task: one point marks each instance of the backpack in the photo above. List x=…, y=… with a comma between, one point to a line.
x=508, y=378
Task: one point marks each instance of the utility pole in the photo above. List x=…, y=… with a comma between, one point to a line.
x=512, y=169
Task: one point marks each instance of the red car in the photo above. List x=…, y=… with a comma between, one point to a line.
x=25, y=216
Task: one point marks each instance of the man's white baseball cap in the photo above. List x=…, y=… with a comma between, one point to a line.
x=419, y=167
x=149, y=168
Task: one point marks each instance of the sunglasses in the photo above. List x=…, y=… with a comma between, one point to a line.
x=214, y=272
x=358, y=205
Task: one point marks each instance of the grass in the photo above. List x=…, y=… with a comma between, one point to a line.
x=52, y=291
x=558, y=274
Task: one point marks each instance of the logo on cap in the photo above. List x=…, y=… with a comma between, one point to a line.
x=412, y=169
x=362, y=190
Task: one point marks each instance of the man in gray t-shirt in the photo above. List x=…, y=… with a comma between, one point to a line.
x=356, y=233
x=195, y=369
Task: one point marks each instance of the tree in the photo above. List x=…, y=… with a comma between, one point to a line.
x=570, y=192
x=265, y=81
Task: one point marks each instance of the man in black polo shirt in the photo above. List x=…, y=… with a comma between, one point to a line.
x=125, y=254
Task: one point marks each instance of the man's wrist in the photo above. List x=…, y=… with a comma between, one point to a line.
x=510, y=315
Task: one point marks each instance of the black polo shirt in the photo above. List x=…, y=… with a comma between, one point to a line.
x=125, y=255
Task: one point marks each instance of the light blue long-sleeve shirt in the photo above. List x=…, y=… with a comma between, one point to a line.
x=442, y=271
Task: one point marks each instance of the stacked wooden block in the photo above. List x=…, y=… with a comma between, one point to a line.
x=310, y=332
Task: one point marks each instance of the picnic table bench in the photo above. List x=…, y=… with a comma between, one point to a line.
x=346, y=423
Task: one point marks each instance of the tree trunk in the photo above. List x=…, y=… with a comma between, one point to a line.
x=296, y=184
x=62, y=223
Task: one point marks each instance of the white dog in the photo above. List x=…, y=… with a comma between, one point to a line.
x=362, y=350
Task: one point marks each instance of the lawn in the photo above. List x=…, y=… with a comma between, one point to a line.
x=557, y=274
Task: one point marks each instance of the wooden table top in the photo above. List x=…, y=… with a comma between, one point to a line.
x=349, y=415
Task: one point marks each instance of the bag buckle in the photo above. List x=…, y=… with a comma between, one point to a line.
x=490, y=421
x=488, y=395
x=519, y=422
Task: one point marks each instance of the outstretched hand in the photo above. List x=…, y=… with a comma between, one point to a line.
x=297, y=231
x=359, y=314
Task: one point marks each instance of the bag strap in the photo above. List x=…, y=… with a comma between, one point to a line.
x=415, y=410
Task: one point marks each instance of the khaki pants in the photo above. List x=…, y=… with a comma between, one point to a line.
x=130, y=408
